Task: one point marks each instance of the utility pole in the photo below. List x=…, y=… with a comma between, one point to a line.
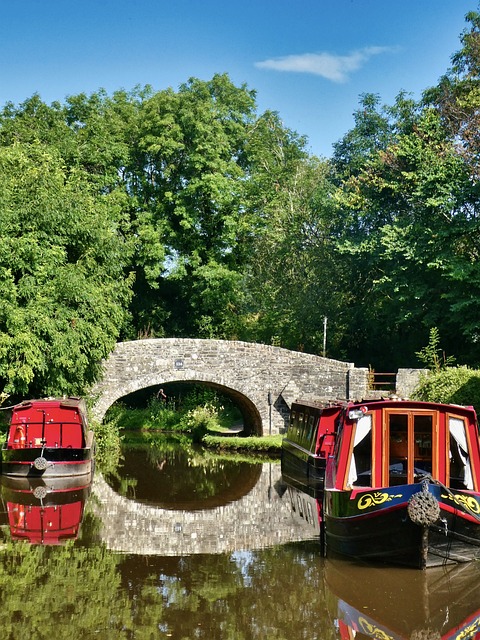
x=324, y=336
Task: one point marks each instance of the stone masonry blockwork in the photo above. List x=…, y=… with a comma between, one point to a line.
x=261, y=379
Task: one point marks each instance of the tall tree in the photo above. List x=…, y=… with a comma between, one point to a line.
x=191, y=170
x=456, y=96
x=62, y=285
x=291, y=279
x=418, y=198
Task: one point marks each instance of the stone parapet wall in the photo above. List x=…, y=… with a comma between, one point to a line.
x=263, y=380
x=407, y=381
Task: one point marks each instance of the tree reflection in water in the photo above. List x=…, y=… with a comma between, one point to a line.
x=82, y=589
x=186, y=477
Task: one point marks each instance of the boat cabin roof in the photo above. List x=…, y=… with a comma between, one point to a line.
x=387, y=442
x=58, y=410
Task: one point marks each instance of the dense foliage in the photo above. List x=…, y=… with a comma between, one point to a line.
x=188, y=213
x=453, y=385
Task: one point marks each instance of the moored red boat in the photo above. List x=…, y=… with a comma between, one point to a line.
x=48, y=438
x=402, y=484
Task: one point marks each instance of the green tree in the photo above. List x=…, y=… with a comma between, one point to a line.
x=410, y=233
x=425, y=251
x=294, y=273
x=199, y=175
x=456, y=95
x=357, y=218
x=190, y=173
x=372, y=132
x=62, y=284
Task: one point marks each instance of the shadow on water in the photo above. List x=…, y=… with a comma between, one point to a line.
x=249, y=568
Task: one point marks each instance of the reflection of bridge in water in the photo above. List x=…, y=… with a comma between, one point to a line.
x=261, y=518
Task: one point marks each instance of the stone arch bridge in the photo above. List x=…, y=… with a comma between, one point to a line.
x=262, y=380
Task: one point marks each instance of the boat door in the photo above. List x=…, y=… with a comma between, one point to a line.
x=409, y=445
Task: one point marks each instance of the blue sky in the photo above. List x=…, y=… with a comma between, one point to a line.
x=309, y=60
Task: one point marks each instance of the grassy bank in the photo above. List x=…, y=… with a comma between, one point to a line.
x=253, y=444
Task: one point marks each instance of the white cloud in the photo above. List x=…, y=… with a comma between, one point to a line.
x=329, y=66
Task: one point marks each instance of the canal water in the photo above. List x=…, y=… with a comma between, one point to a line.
x=185, y=544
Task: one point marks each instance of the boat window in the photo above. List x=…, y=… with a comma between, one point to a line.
x=398, y=424
x=311, y=431
x=295, y=424
x=360, y=473
x=422, y=434
x=460, y=468
x=300, y=427
x=410, y=441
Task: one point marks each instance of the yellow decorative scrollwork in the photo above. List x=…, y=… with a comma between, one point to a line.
x=374, y=499
x=469, y=631
x=372, y=631
x=469, y=502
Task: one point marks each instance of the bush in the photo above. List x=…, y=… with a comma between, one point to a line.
x=199, y=421
x=453, y=385
x=108, y=443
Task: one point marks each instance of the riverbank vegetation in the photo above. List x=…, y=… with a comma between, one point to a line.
x=195, y=412
x=200, y=416
x=188, y=213
x=443, y=381
x=453, y=385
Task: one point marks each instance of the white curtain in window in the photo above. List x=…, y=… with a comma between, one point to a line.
x=362, y=429
x=457, y=430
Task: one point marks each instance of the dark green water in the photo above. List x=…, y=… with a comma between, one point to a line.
x=185, y=545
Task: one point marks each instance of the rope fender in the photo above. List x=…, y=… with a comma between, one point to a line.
x=423, y=508
x=40, y=463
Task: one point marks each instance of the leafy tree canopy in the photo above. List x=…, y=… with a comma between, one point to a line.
x=62, y=284
x=187, y=213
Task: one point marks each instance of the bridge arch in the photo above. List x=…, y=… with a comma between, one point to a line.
x=261, y=379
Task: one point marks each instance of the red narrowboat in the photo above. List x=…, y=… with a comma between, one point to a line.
x=402, y=484
x=49, y=438
x=308, y=443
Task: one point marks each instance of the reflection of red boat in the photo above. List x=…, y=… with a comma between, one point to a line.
x=401, y=480
x=48, y=438
x=42, y=513
x=400, y=604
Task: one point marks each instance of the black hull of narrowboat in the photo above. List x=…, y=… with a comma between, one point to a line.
x=389, y=535
x=58, y=463
x=301, y=467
